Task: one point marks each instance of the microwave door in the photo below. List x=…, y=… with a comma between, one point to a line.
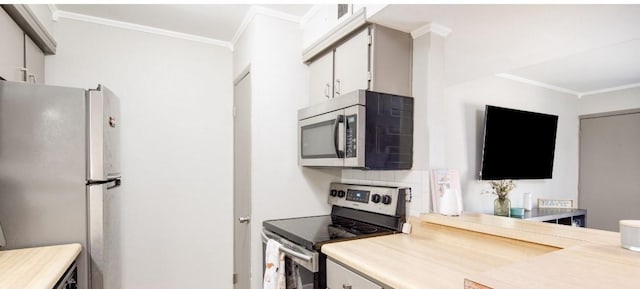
x=321, y=140
x=355, y=128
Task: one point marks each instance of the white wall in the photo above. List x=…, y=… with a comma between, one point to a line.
x=281, y=188
x=464, y=106
x=610, y=101
x=448, y=132
x=173, y=217
x=463, y=124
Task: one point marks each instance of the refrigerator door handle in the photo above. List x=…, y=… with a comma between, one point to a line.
x=116, y=183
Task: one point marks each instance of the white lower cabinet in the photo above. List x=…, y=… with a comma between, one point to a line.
x=339, y=277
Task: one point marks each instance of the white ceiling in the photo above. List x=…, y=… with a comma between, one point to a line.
x=207, y=20
x=592, y=71
x=578, y=49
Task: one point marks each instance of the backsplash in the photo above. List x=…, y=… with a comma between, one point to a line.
x=417, y=180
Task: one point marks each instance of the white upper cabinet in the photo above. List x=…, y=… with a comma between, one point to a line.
x=12, y=47
x=34, y=61
x=372, y=57
x=21, y=58
x=351, y=68
x=321, y=78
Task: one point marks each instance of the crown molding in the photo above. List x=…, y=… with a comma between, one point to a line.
x=261, y=10
x=431, y=28
x=142, y=28
x=610, y=89
x=538, y=83
x=53, y=9
x=255, y=10
x=307, y=16
x=243, y=26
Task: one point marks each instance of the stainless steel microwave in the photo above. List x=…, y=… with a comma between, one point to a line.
x=362, y=129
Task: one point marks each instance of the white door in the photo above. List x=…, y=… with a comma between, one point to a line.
x=609, y=169
x=242, y=183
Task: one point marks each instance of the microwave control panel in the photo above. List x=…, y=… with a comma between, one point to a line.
x=351, y=146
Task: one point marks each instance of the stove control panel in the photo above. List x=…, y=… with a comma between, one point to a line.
x=359, y=196
x=377, y=199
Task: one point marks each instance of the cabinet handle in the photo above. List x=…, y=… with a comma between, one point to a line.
x=345, y=286
x=26, y=73
x=327, y=90
x=337, y=87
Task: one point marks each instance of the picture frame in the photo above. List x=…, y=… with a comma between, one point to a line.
x=551, y=203
x=446, y=193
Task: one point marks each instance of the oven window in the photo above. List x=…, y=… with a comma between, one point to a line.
x=317, y=140
x=299, y=277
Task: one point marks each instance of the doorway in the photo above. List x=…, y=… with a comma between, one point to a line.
x=242, y=181
x=609, y=186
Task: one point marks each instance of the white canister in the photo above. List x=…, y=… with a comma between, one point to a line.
x=630, y=234
x=449, y=203
x=527, y=202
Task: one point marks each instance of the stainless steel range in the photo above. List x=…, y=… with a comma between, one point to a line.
x=358, y=211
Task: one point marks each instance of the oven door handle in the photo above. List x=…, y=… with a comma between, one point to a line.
x=287, y=250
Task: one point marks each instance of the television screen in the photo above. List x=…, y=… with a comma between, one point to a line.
x=518, y=144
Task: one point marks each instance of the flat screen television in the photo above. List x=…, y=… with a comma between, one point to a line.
x=517, y=144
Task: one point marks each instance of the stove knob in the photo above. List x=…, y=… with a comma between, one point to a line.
x=375, y=198
x=333, y=193
x=341, y=194
x=386, y=199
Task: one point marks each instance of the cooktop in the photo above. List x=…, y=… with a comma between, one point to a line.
x=312, y=232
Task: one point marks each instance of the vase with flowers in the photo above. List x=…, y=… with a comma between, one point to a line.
x=502, y=204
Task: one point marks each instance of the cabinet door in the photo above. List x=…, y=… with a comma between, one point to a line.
x=352, y=64
x=339, y=277
x=321, y=78
x=34, y=61
x=11, y=46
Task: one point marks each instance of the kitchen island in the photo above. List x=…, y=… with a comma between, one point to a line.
x=36, y=268
x=484, y=251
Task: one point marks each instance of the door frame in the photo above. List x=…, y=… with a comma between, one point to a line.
x=246, y=246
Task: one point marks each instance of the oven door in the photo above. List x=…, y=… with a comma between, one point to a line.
x=321, y=140
x=306, y=263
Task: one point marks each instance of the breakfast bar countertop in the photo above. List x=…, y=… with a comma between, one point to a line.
x=485, y=251
x=36, y=268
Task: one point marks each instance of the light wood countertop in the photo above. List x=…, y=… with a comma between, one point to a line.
x=36, y=268
x=497, y=252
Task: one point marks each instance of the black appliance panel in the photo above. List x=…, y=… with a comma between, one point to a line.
x=389, y=131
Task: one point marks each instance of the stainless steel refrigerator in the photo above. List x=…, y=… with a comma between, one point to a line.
x=59, y=166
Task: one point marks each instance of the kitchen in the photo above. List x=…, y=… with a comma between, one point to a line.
x=176, y=94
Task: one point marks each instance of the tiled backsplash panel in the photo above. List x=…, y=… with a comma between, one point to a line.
x=417, y=180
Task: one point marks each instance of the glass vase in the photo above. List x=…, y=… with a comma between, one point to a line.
x=502, y=207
